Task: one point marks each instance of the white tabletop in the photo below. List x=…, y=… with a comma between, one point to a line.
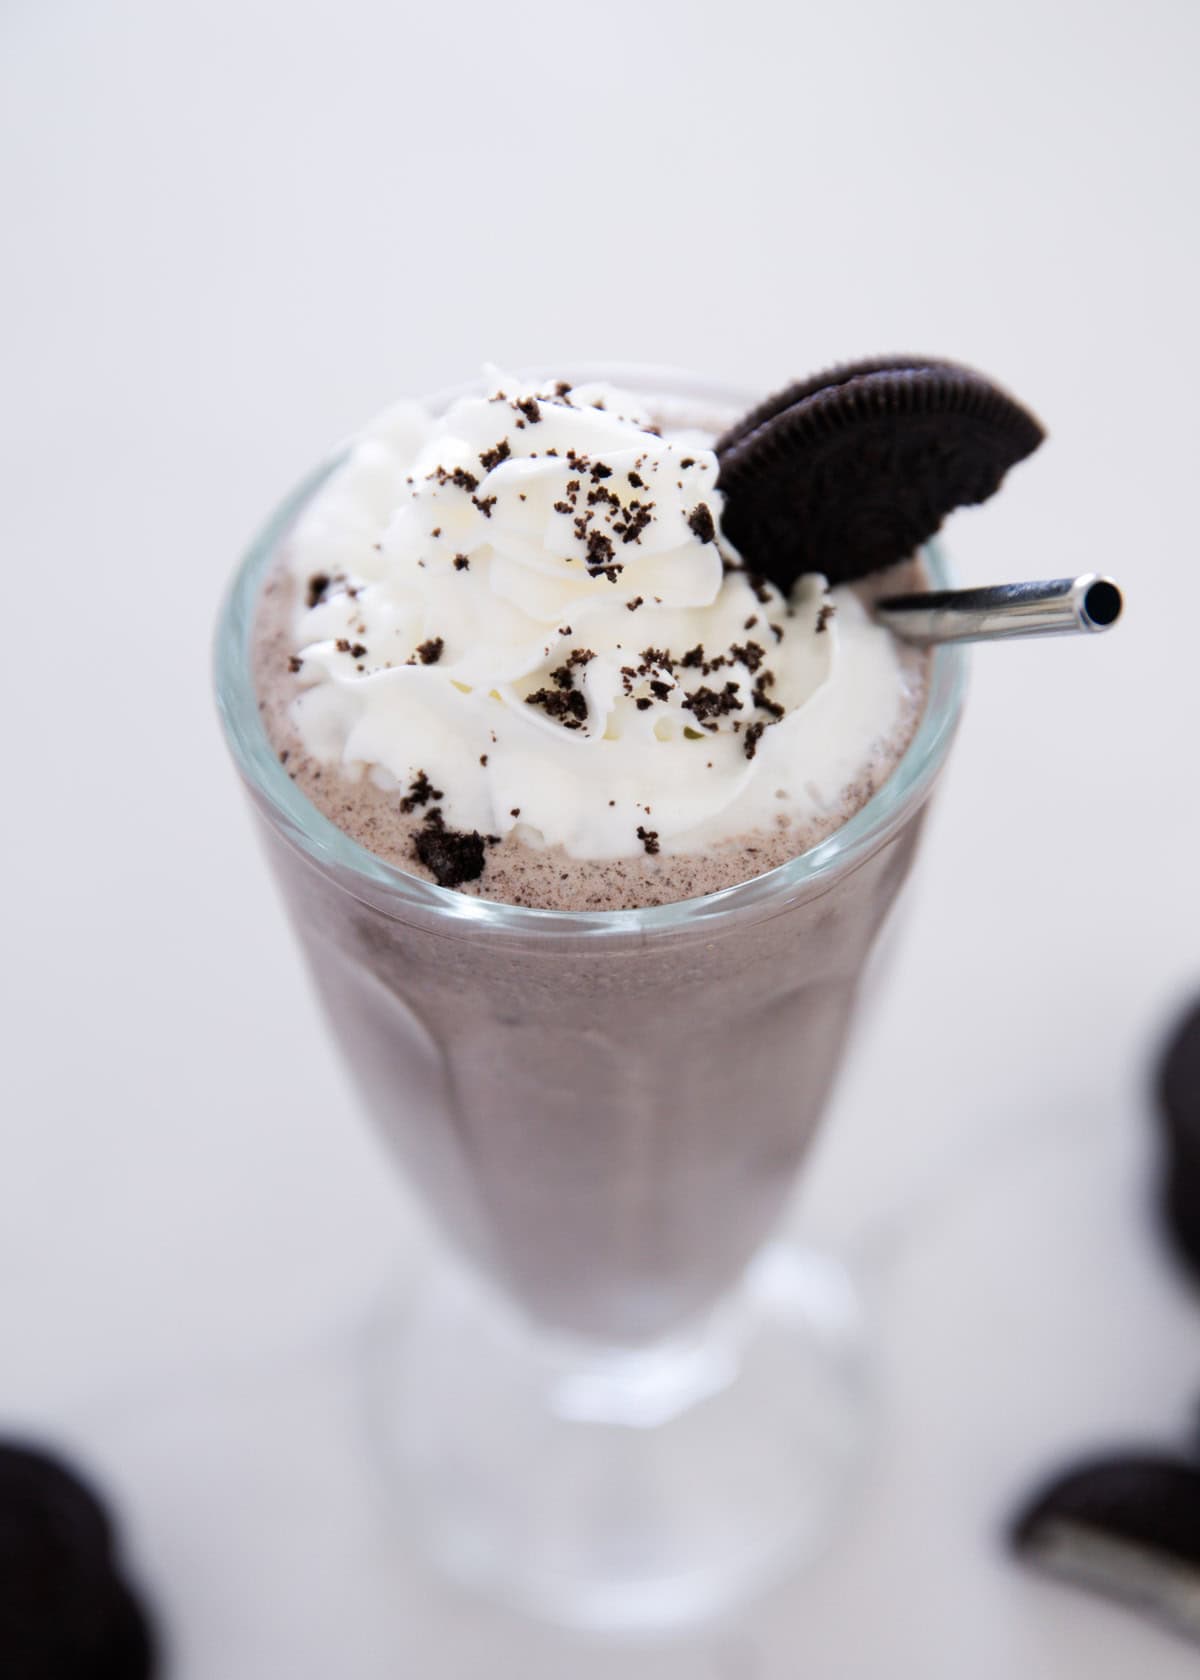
x=234, y=230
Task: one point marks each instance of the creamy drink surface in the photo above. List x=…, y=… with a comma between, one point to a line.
x=508, y=648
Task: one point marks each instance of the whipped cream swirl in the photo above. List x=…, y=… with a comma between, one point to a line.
x=529, y=600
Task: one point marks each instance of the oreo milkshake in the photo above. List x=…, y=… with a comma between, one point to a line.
x=509, y=652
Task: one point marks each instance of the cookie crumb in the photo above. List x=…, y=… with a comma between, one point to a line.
x=489, y=458
x=451, y=856
x=421, y=791
x=701, y=522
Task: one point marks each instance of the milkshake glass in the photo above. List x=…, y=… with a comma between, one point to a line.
x=614, y=1402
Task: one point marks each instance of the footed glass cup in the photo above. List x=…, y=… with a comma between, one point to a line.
x=614, y=1400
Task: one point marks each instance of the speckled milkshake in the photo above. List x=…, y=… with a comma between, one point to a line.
x=507, y=651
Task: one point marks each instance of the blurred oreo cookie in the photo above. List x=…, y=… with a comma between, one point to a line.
x=66, y=1612
x=1178, y=1093
x=852, y=470
x=1126, y=1527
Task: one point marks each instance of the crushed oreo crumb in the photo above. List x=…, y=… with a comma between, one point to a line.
x=450, y=855
x=636, y=479
x=701, y=522
x=600, y=556
x=826, y=613
x=317, y=586
x=460, y=477
x=431, y=651
x=751, y=655
x=483, y=758
x=569, y=709
x=630, y=530
x=638, y=601
x=649, y=839
x=294, y=663
x=762, y=699
x=688, y=461
x=461, y=563
x=354, y=649
x=706, y=703
x=420, y=792
x=489, y=458
x=485, y=504
x=529, y=408
x=564, y=675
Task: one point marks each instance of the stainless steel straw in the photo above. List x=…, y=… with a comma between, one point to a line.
x=1056, y=607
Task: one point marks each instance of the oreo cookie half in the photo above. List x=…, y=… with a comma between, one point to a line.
x=65, y=1611
x=1125, y=1527
x=863, y=464
x=128, y=1648
x=1179, y=1103
x=1179, y=1085
x=840, y=374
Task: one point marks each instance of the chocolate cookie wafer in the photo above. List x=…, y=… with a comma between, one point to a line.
x=1179, y=1106
x=1126, y=1527
x=855, y=475
x=66, y=1613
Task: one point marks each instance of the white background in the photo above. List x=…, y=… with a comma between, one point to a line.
x=234, y=230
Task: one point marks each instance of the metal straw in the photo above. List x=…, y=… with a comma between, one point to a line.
x=1057, y=607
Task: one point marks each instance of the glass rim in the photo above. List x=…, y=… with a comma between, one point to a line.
x=361, y=871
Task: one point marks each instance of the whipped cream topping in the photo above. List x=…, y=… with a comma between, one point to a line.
x=528, y=601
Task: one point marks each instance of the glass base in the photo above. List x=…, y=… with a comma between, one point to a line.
x=625, y=1489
